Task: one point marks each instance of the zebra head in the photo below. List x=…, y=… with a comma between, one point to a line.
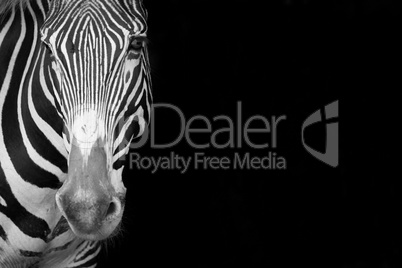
x=99, y=71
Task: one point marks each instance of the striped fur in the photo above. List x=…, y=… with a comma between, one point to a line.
x=63, y=63
x=7, y=5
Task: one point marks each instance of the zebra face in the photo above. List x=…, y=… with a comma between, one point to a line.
x=99, y=70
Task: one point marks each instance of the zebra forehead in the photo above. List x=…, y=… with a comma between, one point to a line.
x=110, y=13
x=110, y=20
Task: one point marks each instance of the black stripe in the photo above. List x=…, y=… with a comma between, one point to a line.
x=28, y=224
x=88, y=253
x=64, y=247
x=79, y=245
x=7, y=48
x=60, y=228
x=30, y=254
x=3, y=234
x=89, y=263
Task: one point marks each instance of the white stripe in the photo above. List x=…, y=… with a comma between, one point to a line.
x=3, y=202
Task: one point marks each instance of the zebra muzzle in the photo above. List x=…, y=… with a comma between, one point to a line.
x=87, y=198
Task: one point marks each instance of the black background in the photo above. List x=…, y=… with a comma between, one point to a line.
x=278, y=58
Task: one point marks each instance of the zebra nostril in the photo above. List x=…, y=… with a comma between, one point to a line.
x=111, y=209
x=114, y=208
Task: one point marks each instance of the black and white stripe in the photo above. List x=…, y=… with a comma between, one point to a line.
x=61, y=61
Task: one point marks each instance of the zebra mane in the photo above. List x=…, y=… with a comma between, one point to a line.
x=7, y=5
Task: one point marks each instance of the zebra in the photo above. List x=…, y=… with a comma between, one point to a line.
x=75, y=90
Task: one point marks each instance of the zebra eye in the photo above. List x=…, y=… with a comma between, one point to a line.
x=137, y=44
x=48, y=48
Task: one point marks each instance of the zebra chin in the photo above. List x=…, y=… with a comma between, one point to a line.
x=92, y=205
